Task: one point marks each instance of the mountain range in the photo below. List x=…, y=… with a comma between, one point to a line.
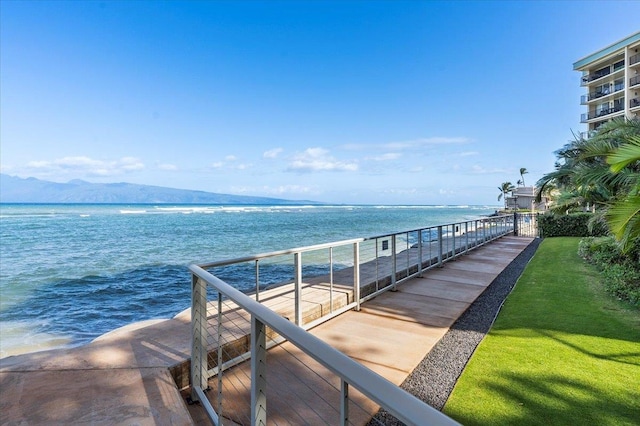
x=31, y=190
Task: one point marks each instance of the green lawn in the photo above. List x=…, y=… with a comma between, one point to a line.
x=560, y=352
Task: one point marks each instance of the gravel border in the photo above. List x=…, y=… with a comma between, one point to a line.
x=434, y=378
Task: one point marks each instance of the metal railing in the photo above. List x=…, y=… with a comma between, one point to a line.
x=601, y=112
x=586, y=79
x=318, y=282
x=634, y=80
x=634, y=59
x=604, y=91
x=526, y=225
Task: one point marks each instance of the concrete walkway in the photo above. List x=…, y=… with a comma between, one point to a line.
x=129, y=376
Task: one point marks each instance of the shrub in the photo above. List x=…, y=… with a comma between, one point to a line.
x=570, y=225
x=622, y=282
x=620, y=271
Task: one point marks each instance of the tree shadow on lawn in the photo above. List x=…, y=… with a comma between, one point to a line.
x=518, y=398
x=588, y=347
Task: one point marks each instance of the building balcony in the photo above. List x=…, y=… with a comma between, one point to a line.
x=634, y=61
x=634, y=103
x=605, y=91
x=634, y=81
x=618, y=67
x=601, y=112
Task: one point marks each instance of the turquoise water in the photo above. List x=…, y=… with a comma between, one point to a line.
x=69, y=273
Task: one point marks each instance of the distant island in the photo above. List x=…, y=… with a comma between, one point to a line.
x=31, y=190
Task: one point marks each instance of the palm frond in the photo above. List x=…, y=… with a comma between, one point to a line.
x=625, y=154
x=624, y=219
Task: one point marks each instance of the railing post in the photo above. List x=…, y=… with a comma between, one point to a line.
x=377, y=267
x=454, y=228
x=420, y=252
x=297, y=261
x=344, y=403
x=440, y=246
x=466, y=234
x=515, y=224
x=475, y=234
x=356, y=274
x=484, y=231
x=257, y=281
x=199, y=365
x=330, y=279
x=219, y=343
x=394, y=263
x=258, y=372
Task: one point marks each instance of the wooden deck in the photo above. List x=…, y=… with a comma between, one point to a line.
x=391, y=334
x=128, y=376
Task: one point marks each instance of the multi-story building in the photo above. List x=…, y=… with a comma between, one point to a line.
x=524, y=198
x=612, y=79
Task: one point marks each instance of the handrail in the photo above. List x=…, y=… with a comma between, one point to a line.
x=403, y=255
x=279, y=253
x=602, y=112
x=327, y=245
x=395, y=400
x=605, y=91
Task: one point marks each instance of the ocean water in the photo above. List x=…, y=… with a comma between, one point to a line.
x=70, y=273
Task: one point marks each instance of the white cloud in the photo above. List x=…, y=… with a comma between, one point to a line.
x=385, y=157
x=4, y=168
x=85, y=166
x=468, y=153
x=272, y=190
x=400, y=191
x=408, y=144
x=421, y=142
x=272, y=153
x=230, y=164
x=287, y=189
x=479, y=170
x=168, y=167
x=319, y=160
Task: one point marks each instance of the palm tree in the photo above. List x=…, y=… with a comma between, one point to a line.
x=523, y=172
x=504, y=188
x=582, y=174
x=603, y=173
x=623, y=216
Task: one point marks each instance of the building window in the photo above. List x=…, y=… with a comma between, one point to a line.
x=602, y=109
x=618, y=65
x=618, y=84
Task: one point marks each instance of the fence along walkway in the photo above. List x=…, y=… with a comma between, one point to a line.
x=129, y=376
x=390, y=335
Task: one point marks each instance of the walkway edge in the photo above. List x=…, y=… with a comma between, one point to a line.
x=436, y=375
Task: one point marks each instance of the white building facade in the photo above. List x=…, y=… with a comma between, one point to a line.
x=611, y=77
x=523, y=198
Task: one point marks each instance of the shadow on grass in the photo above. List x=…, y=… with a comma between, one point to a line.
x=631, y=358
x=540, y=399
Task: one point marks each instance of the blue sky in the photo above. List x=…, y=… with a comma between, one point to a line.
x=367, y=102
